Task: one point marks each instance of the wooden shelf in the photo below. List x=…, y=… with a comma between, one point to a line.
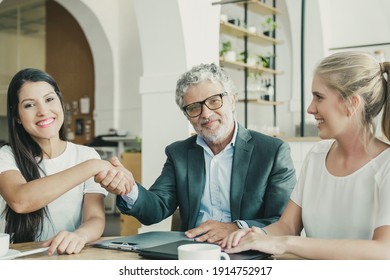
x=253, y=5
x=253, y=69
x=262, y=102
x=261, y=8
x=241, y=32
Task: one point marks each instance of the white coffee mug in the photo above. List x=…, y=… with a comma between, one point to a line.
x=4, y=244
x=201, y=251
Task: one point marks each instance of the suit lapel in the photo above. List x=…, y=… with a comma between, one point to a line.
x=241, y=158
x=196, y=182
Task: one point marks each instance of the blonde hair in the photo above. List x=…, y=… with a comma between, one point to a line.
x=357, y=73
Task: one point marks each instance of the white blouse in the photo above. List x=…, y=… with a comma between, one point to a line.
x=348, y=207
x=65, y=211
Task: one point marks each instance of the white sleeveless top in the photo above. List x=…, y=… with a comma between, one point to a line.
x=349, y=207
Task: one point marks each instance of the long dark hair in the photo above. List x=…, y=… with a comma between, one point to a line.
x=26, y=227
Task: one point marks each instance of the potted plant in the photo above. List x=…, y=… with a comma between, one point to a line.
x=226, y=46
x=250, y=60
x=271, y=61
x=266, y=61
x=262, y=61
x=269, y=26
x=227, y=52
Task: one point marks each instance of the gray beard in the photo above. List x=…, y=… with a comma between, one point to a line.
x=217, y=136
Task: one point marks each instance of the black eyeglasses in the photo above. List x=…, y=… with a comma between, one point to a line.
x=213, y=102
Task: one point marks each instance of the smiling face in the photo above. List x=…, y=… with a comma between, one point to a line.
x=214, y=126
x=329, y=109
x=40, y=111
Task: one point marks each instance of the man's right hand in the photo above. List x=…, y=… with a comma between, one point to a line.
x=118, y=180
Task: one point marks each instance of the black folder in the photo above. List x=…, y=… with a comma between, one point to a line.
x=162, y=245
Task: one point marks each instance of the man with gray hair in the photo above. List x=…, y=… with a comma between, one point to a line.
x=223, y=178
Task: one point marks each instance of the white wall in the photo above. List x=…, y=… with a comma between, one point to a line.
x=333, y=25
x=366, y=23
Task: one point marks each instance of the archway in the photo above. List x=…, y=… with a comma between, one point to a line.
x=103, y=61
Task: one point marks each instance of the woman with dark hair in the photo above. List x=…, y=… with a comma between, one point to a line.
x=46, y=181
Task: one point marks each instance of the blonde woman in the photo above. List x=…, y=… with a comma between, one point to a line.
x=342, y=198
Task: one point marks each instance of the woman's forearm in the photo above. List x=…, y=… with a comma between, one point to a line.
x=91, y=229
x=29, y=196
x=311, y=248
x=93, y=217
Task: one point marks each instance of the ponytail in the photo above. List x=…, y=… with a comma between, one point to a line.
x=385, y=68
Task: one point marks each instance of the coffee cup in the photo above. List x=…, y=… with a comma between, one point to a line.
x=201, y=251
x=4, y=244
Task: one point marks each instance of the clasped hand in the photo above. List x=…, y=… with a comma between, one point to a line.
x=253, y=239
x=117, y=180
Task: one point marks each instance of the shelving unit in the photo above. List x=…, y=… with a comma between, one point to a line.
x=258, y=38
